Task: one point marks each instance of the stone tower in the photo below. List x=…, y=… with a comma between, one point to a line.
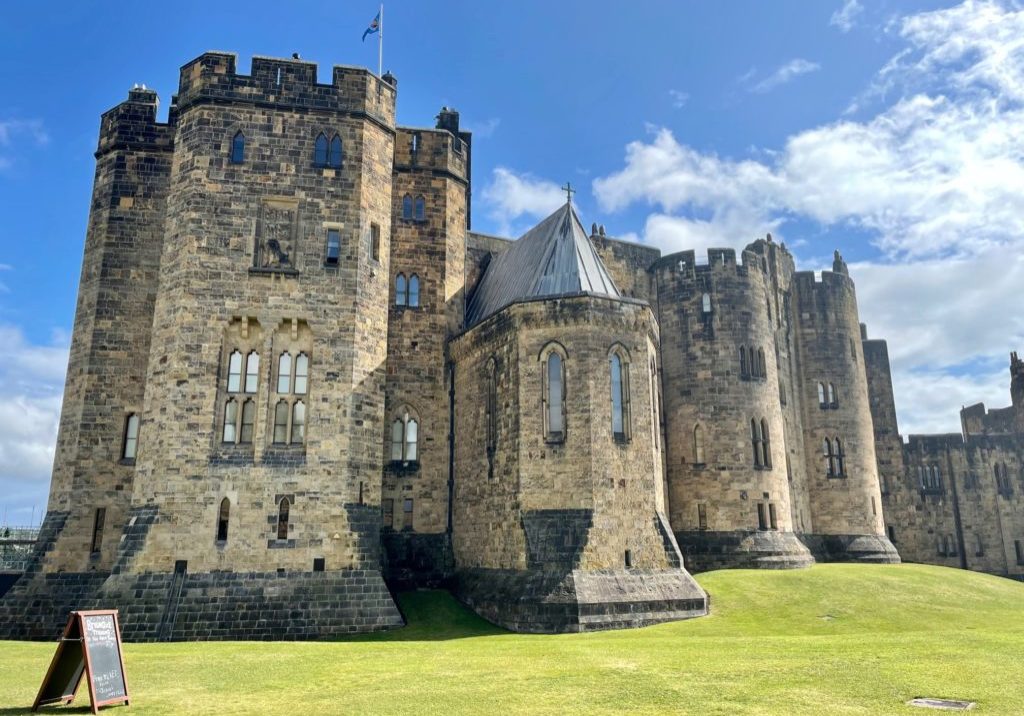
x=839, y=444
x=726, y=446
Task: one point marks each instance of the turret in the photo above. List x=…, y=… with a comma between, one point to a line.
x=726, y=449
x=839, y=443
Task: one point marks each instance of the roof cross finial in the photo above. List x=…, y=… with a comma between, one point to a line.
x=569, y=191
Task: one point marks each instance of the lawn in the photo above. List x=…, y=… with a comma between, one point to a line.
x=833, y=639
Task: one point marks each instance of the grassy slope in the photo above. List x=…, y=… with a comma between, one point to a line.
x=843, y=639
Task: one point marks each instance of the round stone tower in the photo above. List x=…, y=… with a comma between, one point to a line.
x=839, y=443
x=725, y=438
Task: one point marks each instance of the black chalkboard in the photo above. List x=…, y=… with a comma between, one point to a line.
x=91, y=644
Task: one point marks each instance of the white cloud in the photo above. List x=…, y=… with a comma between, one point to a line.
x=935, y=177
x=13, y=130
x=31, y=386
x=678, y=98
x=785, y=73
x=844, y=18
x=510, y=196
x=484, y=129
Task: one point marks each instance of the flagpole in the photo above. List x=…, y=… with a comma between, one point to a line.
x=380, y=44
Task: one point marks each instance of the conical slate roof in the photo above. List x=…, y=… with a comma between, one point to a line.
x=554, y=258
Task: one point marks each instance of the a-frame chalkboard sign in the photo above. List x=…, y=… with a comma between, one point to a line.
x=91, y=644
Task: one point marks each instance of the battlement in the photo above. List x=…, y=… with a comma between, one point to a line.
x=439, y=149
x=927, y=444
x=285, y=83
x=684, y=265
x=132, y=124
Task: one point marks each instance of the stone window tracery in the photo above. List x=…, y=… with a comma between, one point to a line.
x=405, y=437
x=294, y=340
x=334, y=157
x=237, y=406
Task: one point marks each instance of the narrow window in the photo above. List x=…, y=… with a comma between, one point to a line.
x=415, y=146
x=222, y=520
x=252, y=371
x=655, y=415
x=744, y=372
x=97, y=529
x=406, y=207
x=397, y=438
x=698, y=444
x=628, y=559
x=281, y=422
x=772, y=519
x=830, y=459
x=752, y=359
x=555, y=397
x=230, y=420
x=238, y=148
x=874, y=507
x=298, y=422
x=821, y=395
x=282, y=518
x=333, y=247
x=248, y=421
x=375, y=242
x=301, y=374
x=761, y=366
x=840, y=459
x=318, y=564
x=762, y=519
x=705, y=303
x=320, y=150
x=755, y=441
x=335, y=156
x=892, y=533
x=401, y=290
x=131, y=437
x=702, y=516
x=853, y=350
x=1019, y=547
x=411, y=437
x=235, y=372
x=414, y=291
x=492, y=406
x=832, y=396
x=387, y=507
x=421, y=208
x=617, y=413
x=284, y=373
x=766, y=445
x=407, y=513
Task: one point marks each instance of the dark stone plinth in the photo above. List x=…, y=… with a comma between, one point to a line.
x=706, y=550
x=414, y=560
x=539, y=601
x=872, y=549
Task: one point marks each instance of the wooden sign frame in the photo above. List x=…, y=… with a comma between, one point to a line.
x=76, y=626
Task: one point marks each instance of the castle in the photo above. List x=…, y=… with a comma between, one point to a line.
x=298, y=380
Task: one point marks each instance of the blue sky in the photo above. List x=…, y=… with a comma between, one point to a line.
x=891, y=130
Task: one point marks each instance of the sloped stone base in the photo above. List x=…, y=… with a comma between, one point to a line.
x=705, y=550
x=872, y=549
x=544, y=602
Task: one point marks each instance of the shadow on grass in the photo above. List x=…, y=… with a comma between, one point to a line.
x=432, y=615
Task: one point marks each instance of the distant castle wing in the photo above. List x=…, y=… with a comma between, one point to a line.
x=554, y=258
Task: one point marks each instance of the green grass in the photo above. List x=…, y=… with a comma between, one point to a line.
x=834, y=639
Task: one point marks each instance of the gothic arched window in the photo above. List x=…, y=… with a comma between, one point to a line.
x=421, y=208
x=619, y=370
x=301, y=374
x=833, y=397
x=414, y=291
x=407, y=207
x=222, y=520
x=553, y=392
x=320, y=150
x=405, y=438
x=401, y=290
x=284, y=373
x=252, y=371
x=283, y=510
x=766, y=445
x=235, y=372
x=334, y=158
x=238, y=148
x=281, y=422
x=821, y=395
x=830, y=458
x=840, y=459
x=248, y=421
x=755, y=441
x=230, y=420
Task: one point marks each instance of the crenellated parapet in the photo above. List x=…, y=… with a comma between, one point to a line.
x=133, y=125
x=275, y=83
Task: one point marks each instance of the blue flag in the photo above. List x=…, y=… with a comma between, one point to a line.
x=374, y=27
